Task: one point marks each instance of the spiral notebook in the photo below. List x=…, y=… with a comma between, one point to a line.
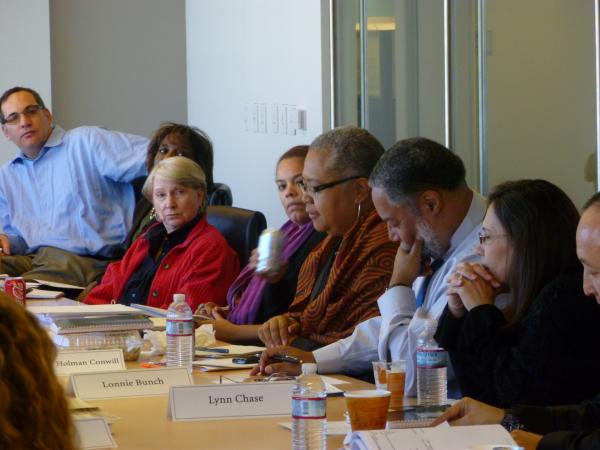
x=117, y=322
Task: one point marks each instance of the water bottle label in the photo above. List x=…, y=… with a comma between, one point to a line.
x=434, y=358
x=309, y=408
x=180, y=328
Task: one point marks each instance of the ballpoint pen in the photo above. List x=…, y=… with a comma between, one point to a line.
x=213, y=349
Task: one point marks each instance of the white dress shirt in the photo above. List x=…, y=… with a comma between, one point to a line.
x=401, y=321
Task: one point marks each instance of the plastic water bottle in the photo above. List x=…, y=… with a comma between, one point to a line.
x=431, y=368
x=309, y=411
x=180, y=333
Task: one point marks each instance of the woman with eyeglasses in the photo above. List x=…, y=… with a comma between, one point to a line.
x=254, y=298
x=341, y=280
x=539, y=346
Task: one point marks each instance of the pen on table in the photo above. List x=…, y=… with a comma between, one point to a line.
x=213, y=349
x=285, y=358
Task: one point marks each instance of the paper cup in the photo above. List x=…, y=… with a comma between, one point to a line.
x=367, y=409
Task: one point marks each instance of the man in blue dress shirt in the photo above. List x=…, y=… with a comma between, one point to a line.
x=66, y=199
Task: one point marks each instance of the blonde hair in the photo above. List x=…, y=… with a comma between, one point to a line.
x=177, y=169
x=33, y=409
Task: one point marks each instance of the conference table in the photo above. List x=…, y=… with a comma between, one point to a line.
x=142, y=423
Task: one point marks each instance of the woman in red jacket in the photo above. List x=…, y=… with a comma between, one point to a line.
x=181, y=253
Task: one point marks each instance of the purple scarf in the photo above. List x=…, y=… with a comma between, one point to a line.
x=251, y=287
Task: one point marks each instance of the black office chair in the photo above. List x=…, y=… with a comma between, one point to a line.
x=240, y=228
x=221, y=195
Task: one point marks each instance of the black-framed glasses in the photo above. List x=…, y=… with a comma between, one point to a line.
x=483, y=237
x=312, y=190
x=29, y=111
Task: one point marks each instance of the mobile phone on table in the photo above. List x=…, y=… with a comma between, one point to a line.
x=249, y=359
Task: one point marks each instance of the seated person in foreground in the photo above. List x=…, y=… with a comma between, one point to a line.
x=254, y=298
x=35, y=413
x=575, y=427
x=66, y=198
x=543, y=348
x=419, y=190
x=342, y=277
x=181, y=253
x=169, y=140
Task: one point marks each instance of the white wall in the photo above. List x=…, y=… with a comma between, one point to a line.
x=266, y=52
x=118, y=63
x=25, y=53
x=541, y=92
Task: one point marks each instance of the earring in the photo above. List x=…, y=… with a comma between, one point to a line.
x=358, y=215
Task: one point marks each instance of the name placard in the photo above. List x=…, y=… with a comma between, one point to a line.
x=94, y=433
x=232, y=401
x=83, y=361
x=128, y=383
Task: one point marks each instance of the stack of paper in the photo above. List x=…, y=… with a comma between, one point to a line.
x=438, y=438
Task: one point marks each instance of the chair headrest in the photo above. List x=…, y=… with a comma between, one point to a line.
x=240, y=227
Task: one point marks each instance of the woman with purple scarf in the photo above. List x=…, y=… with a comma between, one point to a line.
x=252, y=298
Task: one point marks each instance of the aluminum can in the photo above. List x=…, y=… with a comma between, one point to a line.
x=270, y=246
x=15, y=287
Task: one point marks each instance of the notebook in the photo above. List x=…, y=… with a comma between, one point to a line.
x=117, y=322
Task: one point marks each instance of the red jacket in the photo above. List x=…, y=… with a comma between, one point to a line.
x=202, y=267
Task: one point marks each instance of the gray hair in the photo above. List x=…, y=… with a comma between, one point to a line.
x=177, y=169
x=351, y=150
x=414, y=165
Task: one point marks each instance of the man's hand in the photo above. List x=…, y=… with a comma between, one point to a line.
x=5, y=244
x=268, y=366
x=529, y=441
x=278, y=330
x=407, y=265
x=470, y=412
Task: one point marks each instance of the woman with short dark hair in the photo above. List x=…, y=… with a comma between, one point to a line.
x=541, y=347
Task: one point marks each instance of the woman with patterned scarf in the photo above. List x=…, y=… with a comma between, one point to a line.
x=341, y=280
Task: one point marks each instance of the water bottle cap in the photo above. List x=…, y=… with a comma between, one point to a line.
x=179, y=297
x=309, y=369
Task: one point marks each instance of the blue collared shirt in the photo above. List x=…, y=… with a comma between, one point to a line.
x=76, y=195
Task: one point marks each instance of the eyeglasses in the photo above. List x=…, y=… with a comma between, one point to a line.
x=312, y=190
x=29, y=111
x=483, y=238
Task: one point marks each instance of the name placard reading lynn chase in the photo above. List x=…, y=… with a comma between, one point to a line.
x=129, y=383
x=232, y=401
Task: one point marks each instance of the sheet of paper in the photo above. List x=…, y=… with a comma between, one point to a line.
x=232, y=350
x=40, y=293
x=220, y=364
x=332, y=380
x=334, y=428
x=438, y=438
x=55, y=284
x=81, y=310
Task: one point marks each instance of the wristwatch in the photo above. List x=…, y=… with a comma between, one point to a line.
x=511, y=422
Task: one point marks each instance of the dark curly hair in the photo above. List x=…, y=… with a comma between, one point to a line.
x=197, y=140
x=34, y=414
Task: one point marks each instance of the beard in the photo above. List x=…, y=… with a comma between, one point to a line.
x=432, y=247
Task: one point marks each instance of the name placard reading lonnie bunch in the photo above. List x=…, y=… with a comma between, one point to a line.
x=232, y=401
x=129, y=383
x=82, y=361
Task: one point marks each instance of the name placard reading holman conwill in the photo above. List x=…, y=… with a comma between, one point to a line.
x=82, y=361
x=232, y=401
x=129, y=383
